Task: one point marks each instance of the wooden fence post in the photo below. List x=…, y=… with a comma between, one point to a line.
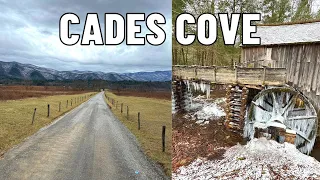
x=138, y=120
x=48, y=110
x=121, y=108
x=34, y=114
x=128, y=112
x=163, y=138
x=59, y=106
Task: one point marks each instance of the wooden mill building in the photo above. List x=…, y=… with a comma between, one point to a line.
x=295, y=47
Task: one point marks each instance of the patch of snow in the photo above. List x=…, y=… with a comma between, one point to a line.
x=220, y=100
x=202, y=122
x=291, y=131
x=194, y=104
x=209, y=111
x=275, y=124
x=203, y=110
x=259, y=159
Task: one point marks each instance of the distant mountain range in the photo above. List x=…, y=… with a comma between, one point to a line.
x=15, y=70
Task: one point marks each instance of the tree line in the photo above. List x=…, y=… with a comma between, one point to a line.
x=94, y=84
x=272, y=11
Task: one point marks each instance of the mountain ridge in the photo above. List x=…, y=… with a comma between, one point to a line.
x=23, y=71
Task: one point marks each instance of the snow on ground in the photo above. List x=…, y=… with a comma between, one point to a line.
x=203, y=110
x=209, y=111
x=259, y=159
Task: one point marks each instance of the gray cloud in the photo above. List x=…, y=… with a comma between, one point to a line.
x=30, y=34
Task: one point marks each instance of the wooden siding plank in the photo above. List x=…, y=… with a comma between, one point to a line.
x=306, y=73
x=318, y=83
x=312, y=67
x=303, y=65
x=296, y=56
x=317, y=70
x=289, y=63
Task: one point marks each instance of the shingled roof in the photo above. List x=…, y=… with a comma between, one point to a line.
x=288, y=33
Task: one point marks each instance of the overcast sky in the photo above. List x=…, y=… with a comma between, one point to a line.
x=30, y=34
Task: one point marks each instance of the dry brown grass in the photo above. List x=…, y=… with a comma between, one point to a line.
x=16, y=116
x=148, y=94
x=21, y=92
x=155, y=113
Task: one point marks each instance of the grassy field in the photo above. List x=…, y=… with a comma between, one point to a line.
x=16, y=116
x=149, y=94
x=22, y=92
x=154, y=113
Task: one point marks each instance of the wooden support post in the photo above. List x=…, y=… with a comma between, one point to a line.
x=48, y=110
x=236, y=73
x=121, y=108
x=71, y=102
x=163, y=138
x=264, y=75
x=138, y=120
x=128, y=112
x=34, y=115
x=195, y=73
x=67, y=104
x=215, y=74
x=244, y=97
x=228, y=108
x=59, y=106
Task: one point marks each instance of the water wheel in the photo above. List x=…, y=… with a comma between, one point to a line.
x=283, y=108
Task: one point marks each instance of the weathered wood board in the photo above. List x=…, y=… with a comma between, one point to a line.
x=228, y=75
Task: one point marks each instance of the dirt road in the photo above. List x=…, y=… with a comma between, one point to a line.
x=87, y=143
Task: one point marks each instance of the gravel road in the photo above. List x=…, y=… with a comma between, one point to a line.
x=87, y=143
